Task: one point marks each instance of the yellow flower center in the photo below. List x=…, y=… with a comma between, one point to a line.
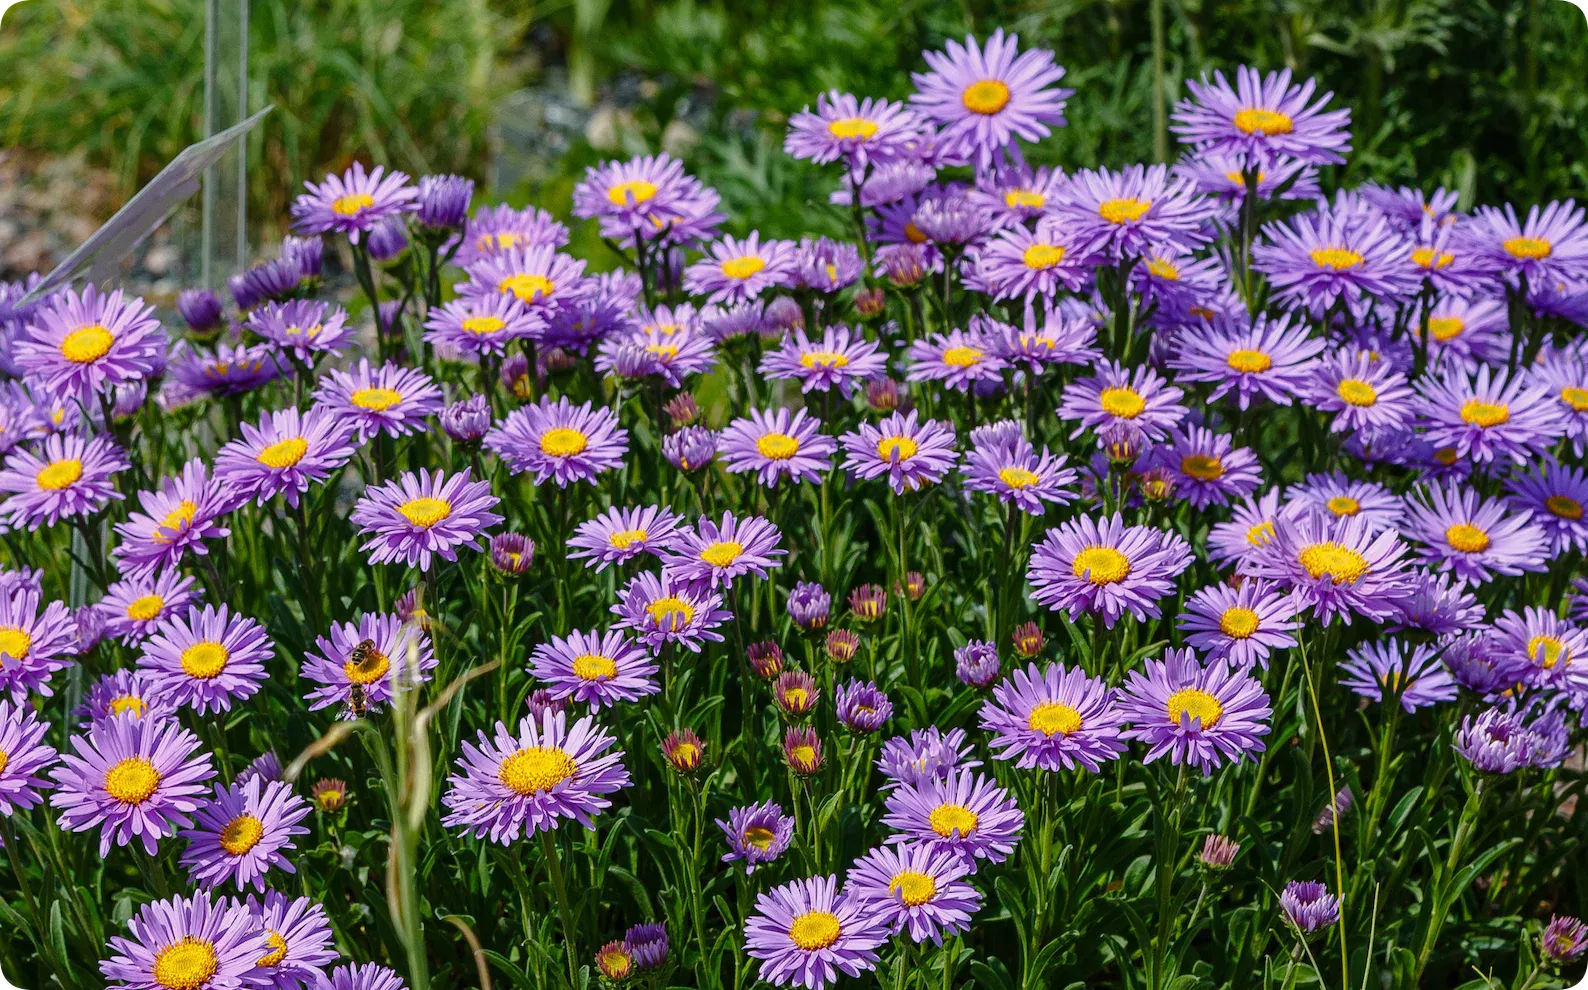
x=1249, y=362
x=1053, y=717
x=60, y=474
x=1202, y=467
x=1548, y=651
x=329, y=800
x=1261, y=534
x=1563, y=506
x=722, y=553
x=1336, y=258
x=802, y=756
x=1356, y=392
x=913, y=888
x=349, y=205
x=205, y=660
x=1445, y=455
x=242, y=834
x=594, y=667
x=370, y=667
x=1196, y=703
x=914, y=234
x=1018, y=478
x=947, y=819
x=484, y=326
x=1344, y=505
x=1485, y=414
x=375, y=399
x=277, y=953
x=178, y=518
x=637, y=191
x=852, y=129
x=1443, y=328
x=1122, y=401
x=1238, y=622
x=664, y=351
x=425, y=512
x=1040, y=256
x=1101, y=565
x=1024, y=198
x=1577, y=398
x=986, y=97
x=284, y=453
x=1528, y=248
x=122, y=704
x=824, y=359
x=795, y=698
x=815, y=930
x=536, y=770
x=1329, y=559
x=562, y=441
x=86, y=345
x=962, y=357
x=671, y=613
x=759, y=837
x=1427, y=257
x=1467, y=538
x=777, y=446
x=896, y=448
x=187, y=964
x=15, y=642
x=132, y=781
x=743, y=268
x=1164, y=269
x=527, y=287
x=1126, y=210
x=624, y=538
x=1254, y=120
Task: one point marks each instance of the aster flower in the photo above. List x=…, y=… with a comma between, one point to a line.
x=33, y=645
x=802, y=751
x=735, y=270
x=370, y=976
x=352, y=203
x=983, y=97
x=1438, y=605
x=805, y=933
x=1016, y=473
x=1040, y=344
x=243, y=833
x=1317, y=259
x=266, y=766
x=1335, y=567
x=303, y=328
x=1268, y=358
x=1464, y=333
x=910, y=453
x=541, y=279
x=671, y=355
x=963, y=813
x=135, y=608
x=1563, y=939
x=976, y=664
x=390, y=399
x=497, y=229
x=482, y=324
x=1555, y=497
x=283, y=455
x=400, y=654
x=1128, y=213
x=1206, y=467
x=957, y=359
x=417, y=516
x=298, y=940
x=862, y=706
x=1550, y=246
x=1334, y=496
x=1053, y=718
x=82, y=345
x=559, y=440
x=1538, y=649
x=1366, y=396
x=201, y=309
x=1106, y=568
x=1489, y=415
x=1199, y=716
x=1015, y=193
x=67, y=476
x=664, y=609
x=626, y=195
x=916, y=889
x=187, y=942
x=1223, y=174
x=511, y=784
x=227, y=370
x=926, y=755
x=599, y=670
x=776, y=445
x=691, y=448
x=827, y=266
x=838, y=359
x=1242, y=625
x=468, y=421
x=206, y=660
x=1136, y=398
x=131, y=778
x=1261, y=117
x=271, y=281
x=1309, y=906
x=861, y=132
x=118, y=694
x=618, y=535
x=1473, y=537
x=1412, y=674
x=177, y=517
x=26, y=756
x=795, y=693
x=1056, y=256
x=1496, y=741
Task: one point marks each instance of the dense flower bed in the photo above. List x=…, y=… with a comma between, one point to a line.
x=1159, y=577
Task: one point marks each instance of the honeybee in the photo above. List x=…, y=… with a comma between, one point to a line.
x=357, y=704
x=364, y=665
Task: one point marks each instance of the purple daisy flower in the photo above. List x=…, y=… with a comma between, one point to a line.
x=1334, y=567
x=1317, y=259
x=390, y=399
x=1223, y=174
x=1054, y=718
x=206, y=659
x=1206, y=467
x=497, y=229
x=596, y=669
x=80, y=345
x=1550, y=246
x=841, y=357
x=1268, y=358
x=135, y=608
x=977, y=664
x=33, y=645
x=618, y=535
x=303, y=328
x=827, y=266
x=809, y=605
x=187, y=942
x=283, y=455
x=1199, y=716
x=1465, y=333
x=1538, y=649
x=862, y=706
x=756, y=834
x=1565, y=374
x=714, y=554
x=1106, y=568
x=984, y=97
x=352, y=203
x=1473, y=537
x=1128, y=213
x=298, y=940
x=1014, y=193
x=1366, y=396
x=1497, y=741
x=963, y=813
x=805, y=933
x=25, y=756
x=626, y=195
x=396, y=644
x=916, y=889
x=1134, y=398
x=370, y=976
x=776, y=445
x=559, y=440
x=1556, y=497
x=1025, y=263
x=958, y=359
x=482, y=324
x=1413, y=674
x=1016, y=473
x=132, y=778
x=737, y=270
x=508, y=784
x=665, y=608
x=227, y=370
x=538, y=277
x=1334, y=496
x=861, y=132
x=669, y=355
x=243, y=833
x=1437, y=604
x=910, y=453
x=1261, y=117
x=1057, y=339
x=1241, y=625
x=1489, y=415
x=1309, y=906
x=924, y=756
x=1563, y=939
x=177, y=517
x=417, y=516
x=67, y=476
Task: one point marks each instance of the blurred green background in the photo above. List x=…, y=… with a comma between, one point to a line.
x=1486, y=96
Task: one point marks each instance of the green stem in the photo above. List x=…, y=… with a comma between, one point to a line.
x=548, y=845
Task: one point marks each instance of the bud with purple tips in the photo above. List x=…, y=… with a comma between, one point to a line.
x=976, y=663
x=809, y=605
x=467, y=421
x=512, y=553
x=691, y=448
x=201, y=308
x=444, y=201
